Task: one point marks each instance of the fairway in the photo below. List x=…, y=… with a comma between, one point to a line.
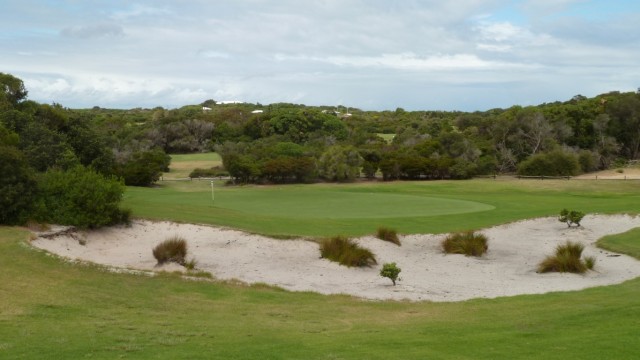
x=302, y=204
x=357, y=209
x=183, y=164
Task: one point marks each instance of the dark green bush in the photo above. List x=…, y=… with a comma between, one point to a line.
x=173, y=249
x=467, y=243
x=391, y=271
x=80, y=197
x=344, y=251
x=567, y=259
x=571, y=217
x=555, y=163
x=388, y=234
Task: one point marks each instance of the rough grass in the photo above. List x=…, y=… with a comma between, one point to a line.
x=466, y=243
x=346, y=252
x=388, y=234
x=568, y=258
x=173, y=249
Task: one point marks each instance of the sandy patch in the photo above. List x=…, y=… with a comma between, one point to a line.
x=628, y=173
x=427, y=274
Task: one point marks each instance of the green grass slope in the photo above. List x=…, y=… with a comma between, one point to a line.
x=56, y=310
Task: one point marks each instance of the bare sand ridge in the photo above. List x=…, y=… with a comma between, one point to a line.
x=507, y=269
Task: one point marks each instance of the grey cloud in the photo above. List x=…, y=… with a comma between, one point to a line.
x=93, y=31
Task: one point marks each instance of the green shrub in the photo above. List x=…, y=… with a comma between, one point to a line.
x=344, y=251
x=567, y=259
x=80, y=197
x=554, y=163
x=571, y=217
x=467, y=243
x=388, y=234
x=173, y=249
x=391, y=271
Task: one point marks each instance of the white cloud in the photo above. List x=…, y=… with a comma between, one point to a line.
x=382, y=54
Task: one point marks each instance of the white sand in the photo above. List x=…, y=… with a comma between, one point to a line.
x=427, y=274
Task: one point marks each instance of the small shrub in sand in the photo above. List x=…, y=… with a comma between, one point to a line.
x=388, y=234
x=173, y=249
x=567, y=259
x=344, y=251
x=467, y=243
x=570, y=217
x=391, y=271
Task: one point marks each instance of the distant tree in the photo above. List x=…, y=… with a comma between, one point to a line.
x=143, y=168
x=12, y=91
x=340, y=163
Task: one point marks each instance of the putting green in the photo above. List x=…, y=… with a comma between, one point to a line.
x=345, y=205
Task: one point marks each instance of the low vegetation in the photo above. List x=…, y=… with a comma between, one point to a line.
x=173, y=249
x=571, y=217
x=568, y=258
x=388, y=234
x=390, y=271
x=346, y=252
x=466, y=243
x=216, y=171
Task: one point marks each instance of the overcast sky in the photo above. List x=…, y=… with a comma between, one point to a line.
x=371, y=54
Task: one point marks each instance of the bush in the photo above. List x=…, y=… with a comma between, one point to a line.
x=80, y=197
x=555, y=163
x=344, y=251
x=391, y=271
x=571, y=217
x=18, y=187
x=567, y=259
x=467, y=243
x=388, y=234
x=173, y=249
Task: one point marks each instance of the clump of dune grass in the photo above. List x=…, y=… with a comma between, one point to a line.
x=173, y=249
x=344, y=251
x=388, y=234
x=567, y=259
x=467, y=243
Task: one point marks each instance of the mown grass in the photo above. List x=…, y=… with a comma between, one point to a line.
x=626, y=243
x=57, y=310
x=322, y=210
x=182, y=164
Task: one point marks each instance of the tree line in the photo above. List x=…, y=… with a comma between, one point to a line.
x=286, y=143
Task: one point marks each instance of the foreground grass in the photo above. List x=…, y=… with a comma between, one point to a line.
x=356, y=209
x=52, y=309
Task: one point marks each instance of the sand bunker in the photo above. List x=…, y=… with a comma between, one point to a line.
x=427, y=274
